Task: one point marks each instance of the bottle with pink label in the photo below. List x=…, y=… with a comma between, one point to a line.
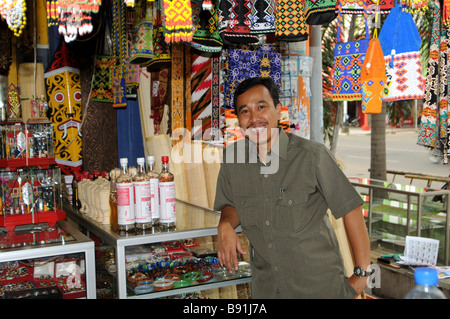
x=142, y=197
x=167, y=196
x=125, y=198
x=154, y=189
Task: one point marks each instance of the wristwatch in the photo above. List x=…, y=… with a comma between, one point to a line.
x=359, y=272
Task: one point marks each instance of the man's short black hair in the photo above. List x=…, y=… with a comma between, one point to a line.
x=249, y=83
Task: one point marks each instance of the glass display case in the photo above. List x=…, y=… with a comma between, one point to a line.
x=53, y=262
x=155, y=263
x=394, y=211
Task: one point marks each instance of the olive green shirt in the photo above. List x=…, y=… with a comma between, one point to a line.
x=282, y=207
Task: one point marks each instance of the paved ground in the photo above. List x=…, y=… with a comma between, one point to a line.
x=402, y=154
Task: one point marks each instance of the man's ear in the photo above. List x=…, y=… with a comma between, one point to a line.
x=278, y=108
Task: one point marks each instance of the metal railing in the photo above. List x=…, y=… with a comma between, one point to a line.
x=410, y=195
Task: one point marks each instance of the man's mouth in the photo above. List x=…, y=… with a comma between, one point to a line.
x=257, y=129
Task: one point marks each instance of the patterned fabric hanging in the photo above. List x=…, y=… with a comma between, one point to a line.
x=352, y=6
x=291, y=22
x=243, y=62
x=120, y=50
x=178, y=23
x=234, y=22
x=384, y=5
x=62, y=81
x=206, y=35
x=177, y=80
x=262, y=16
x=415, y=6
x=373, y=78
x=400, y=42
x=161, y=51
x=103, y=67
x=348, y=60
x=433, y=130
x=320, y=11
x=201, y=97
x=141, y=46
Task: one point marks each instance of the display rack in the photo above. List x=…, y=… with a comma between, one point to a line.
x=35, y=245
x=192, y=222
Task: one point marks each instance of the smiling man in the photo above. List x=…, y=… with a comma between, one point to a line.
x=284, y=213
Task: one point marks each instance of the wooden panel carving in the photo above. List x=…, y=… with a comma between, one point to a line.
x=99, y=129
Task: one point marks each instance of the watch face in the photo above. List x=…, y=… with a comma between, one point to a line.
x=358, y=271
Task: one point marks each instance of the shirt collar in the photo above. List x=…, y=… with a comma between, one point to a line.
x=280, y=146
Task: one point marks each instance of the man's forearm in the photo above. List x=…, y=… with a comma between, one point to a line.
x=358, y=237
x=229, y=215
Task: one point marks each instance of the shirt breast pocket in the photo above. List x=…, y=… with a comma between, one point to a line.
x=246, y=209
x=291, y=213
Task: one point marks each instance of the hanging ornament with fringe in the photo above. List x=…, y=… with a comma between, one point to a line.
x=13, y=11
x=73, y=17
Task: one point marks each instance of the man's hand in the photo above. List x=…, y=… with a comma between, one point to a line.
x=357, y=283
x=228, y=246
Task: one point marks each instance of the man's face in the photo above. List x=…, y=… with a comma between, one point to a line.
x=257, y=115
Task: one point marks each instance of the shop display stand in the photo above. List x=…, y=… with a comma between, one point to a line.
x=22, y=150
x=119, y=243
x=81, y=244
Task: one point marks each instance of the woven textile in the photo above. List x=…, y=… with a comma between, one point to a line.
x=243, y=62
x=353, y=6
x=201, y=97
x=433, y=130
x=400, y=42
x=206, y=32
x=234, y=21
x=215, y=116
x=320, y=11
x=120, y=50
x=102, y=81
x=177, y=76
x=291, y=22
x=348, y=60
x=141, y=46
x=178, y=23
x=262, y=16
x=373, y=78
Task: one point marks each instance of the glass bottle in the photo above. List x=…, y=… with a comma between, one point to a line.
x=141, y=184
x=75, y=198
x=166, y=188
x=113, y=218
x=154, y=189
x=125, y=200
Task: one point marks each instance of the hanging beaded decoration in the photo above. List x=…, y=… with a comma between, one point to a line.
x=178, y=24
x=73, y=17
x=13, y=11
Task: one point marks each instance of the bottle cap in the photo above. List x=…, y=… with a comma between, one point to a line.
x=123, y=161
x=140, y=160
x=165, y=159
x=150, y=159
x=426, y=276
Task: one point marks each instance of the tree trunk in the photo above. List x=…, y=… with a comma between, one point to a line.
x=378, y=145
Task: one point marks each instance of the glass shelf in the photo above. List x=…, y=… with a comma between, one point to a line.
x=193, y=222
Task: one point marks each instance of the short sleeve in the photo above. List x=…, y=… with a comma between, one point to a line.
x=224, y=195
x=340, y=195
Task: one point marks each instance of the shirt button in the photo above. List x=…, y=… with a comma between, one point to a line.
x=267, y=199
x=270, y=245
x=275, y=268
x=290, y=202
x=266, y=175
x=267, y=223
